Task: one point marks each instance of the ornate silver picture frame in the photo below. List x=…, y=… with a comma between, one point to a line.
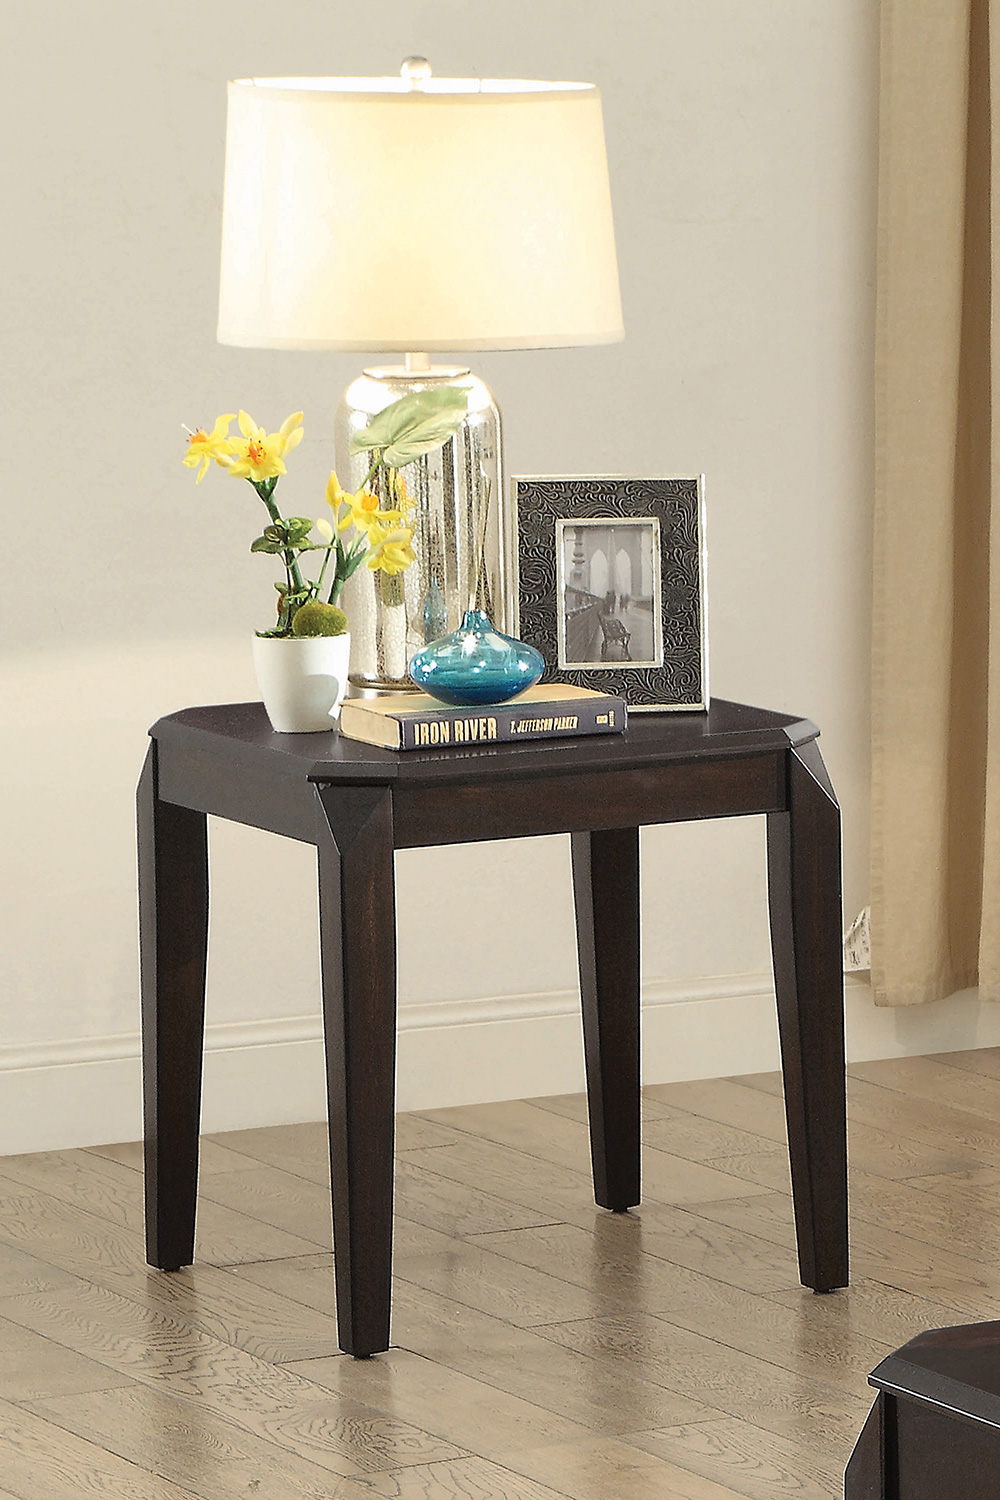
x=610, y=584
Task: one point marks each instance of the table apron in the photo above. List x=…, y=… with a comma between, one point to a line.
x=454, y=813
x=579, y=802
x=252, y=795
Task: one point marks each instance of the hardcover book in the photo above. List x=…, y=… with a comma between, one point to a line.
x=415, y=721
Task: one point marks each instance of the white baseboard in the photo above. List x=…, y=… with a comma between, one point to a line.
x=55, y=1095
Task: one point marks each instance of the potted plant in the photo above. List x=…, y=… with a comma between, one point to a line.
x=302, y=660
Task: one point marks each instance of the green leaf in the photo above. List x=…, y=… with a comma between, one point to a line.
x=351, y=565
x=414, y=425
x=266, y=544
x=297, y=528
x=423, y=439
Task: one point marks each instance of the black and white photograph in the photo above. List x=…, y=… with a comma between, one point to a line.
x=610, y=582
x=609, y=593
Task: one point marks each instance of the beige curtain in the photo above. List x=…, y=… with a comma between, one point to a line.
x=936, y=652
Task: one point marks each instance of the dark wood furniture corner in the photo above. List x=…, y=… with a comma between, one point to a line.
x=358, y=804
x=934, y=1431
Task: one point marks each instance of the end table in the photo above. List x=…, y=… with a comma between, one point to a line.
x=934, y=1431
x=357, y=804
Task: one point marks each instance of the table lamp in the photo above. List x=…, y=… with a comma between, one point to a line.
x=413, y=215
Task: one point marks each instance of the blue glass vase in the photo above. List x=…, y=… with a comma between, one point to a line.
x=476, y=664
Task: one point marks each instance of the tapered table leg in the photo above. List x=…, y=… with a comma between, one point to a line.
x=606, y=891
x=803, y=847
x=173, y=940
x=358, y=952
x=865, y=1477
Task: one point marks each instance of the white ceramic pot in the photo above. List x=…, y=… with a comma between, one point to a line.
x=302, y=680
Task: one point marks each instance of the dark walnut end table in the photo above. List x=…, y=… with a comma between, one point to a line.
x=934, y=1431
x=357, y=804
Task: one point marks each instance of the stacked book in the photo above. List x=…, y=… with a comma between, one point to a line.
x=415, y=721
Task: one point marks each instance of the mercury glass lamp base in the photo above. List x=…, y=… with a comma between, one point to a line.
x=454, y=503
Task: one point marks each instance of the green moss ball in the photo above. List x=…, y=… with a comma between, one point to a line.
x=316, y=618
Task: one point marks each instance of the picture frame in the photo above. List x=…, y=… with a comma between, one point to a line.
x=609, y=584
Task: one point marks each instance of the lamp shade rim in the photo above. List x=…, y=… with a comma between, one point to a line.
x=423, y=345
x=437, y=91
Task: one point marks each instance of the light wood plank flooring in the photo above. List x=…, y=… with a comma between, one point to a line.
x=542, y=1349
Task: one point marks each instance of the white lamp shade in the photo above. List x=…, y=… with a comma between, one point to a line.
x=360, y=214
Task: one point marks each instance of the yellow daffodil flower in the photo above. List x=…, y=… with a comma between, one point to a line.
x=390, y=548
x=204, y=446
x=361, y=510
x=290, y=432
x=336, y=497
x=258, y=455
x=365, y=514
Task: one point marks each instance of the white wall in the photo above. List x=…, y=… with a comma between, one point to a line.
x=742, y=147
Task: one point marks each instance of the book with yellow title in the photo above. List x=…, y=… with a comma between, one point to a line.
x=416, y=721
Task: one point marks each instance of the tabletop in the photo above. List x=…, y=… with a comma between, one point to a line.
x=241, y=733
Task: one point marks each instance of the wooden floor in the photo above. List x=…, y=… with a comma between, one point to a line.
x=542, y=1348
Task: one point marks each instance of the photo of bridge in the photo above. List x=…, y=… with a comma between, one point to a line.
x=609, y=587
